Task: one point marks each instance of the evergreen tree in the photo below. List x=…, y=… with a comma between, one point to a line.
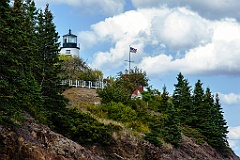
x=21, y=90
x=28, y=49
x=208, y=121
x=7, y=59
x=198, y=97
x=205, y=123
x=182, y=99
x=219, y=137
x=171, y=130
x=164, y=100
x=49, y=68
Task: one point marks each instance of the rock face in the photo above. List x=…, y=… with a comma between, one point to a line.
x=34, y=141
x=128, y=147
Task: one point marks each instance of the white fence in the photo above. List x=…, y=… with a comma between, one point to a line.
x=84, y=84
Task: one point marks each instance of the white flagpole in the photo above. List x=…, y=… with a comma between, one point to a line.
x=129, y=60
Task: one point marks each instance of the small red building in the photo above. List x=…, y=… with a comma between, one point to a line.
x=137, y=93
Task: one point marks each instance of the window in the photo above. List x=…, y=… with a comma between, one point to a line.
x=68, y=51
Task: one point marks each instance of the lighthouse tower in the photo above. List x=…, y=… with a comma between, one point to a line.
x=70, y=47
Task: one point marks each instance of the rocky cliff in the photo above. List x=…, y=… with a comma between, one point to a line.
x=38, y=142
x=34, y=141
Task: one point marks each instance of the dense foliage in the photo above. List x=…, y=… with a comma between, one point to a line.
x=75, y=68
x=30, y=73
x=195, y=113
x=121, y=88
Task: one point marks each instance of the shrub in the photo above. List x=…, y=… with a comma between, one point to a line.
x=153, y=139
x=120, y=112
x=191, y=132
x=81, y=127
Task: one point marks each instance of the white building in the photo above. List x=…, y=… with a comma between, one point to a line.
x=70, y=47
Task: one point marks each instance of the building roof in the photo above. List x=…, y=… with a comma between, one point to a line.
x=69, y=34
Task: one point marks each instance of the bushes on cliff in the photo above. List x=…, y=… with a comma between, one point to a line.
x=121, y=88
x=81, y=127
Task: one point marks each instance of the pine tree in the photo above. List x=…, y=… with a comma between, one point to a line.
x=182, y=99
x=7, y=59
x=171, y=129
x=205, y=124
x=164, y=100
x=198, y=96
x=21, y=91
x=49, y=68
x=211, y=122
x=20, y=88
x=219, y=137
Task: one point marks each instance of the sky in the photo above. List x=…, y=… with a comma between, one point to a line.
x=200, y=39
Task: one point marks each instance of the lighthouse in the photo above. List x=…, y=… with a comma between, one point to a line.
x=70, y=47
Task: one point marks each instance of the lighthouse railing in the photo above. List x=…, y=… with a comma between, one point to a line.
x=84, y=84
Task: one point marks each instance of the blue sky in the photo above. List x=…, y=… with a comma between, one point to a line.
x=201, y=39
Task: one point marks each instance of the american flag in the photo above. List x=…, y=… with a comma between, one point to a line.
x=133, y=50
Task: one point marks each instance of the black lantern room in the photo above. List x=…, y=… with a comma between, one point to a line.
x=70, y=40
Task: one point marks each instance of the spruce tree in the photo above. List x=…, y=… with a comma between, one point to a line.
x=18, y=87
x=205, y=123
x=219, y=137
x=182, y=99
x=7, y=58
x=171, y=130
x=49, y=68
x=212, y=124
x=197, y=97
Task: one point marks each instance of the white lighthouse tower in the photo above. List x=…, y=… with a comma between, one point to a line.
x=70, y=47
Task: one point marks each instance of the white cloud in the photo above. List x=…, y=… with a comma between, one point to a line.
x=214, y=9
x=147, y=26
x=207, y=47
x=157, y=64
x=221, y=55
x=94, y=7
x=121, y=31
x=234, y=132
x=181, y=29
x=87, y=38
x=234, y=138
x=230, y=99
x=119, y=27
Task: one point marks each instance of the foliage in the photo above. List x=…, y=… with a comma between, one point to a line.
x=155, y=126
x=213, y=126
x=114, y=92
x=132, y=80
x=18, y=86
x=31, y=71
x=150, y=97
x=192, y=132
x=182, y=99
x=152, y=138
x=81, y=127
x=29, y=74
x=119, y=112
x=201, y=112
x=75, y=68
x=121, y=88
